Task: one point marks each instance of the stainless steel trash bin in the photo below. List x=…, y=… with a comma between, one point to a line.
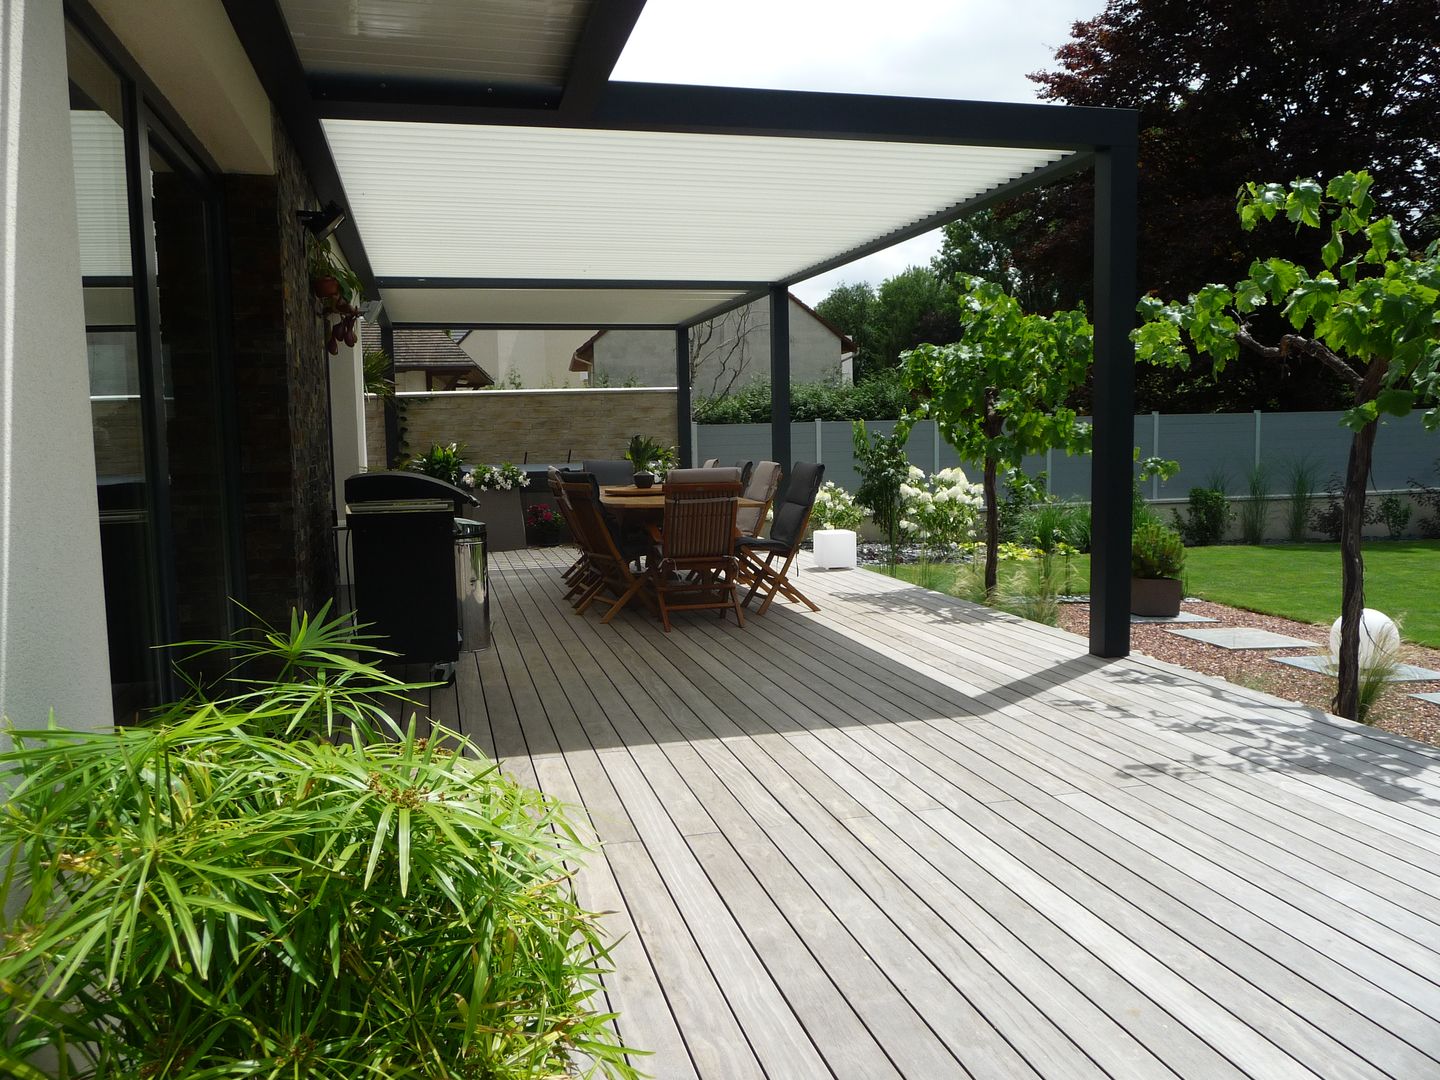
x=472, y=585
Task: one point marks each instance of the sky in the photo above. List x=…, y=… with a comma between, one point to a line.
x=919, y=48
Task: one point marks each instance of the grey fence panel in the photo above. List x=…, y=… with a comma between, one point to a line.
x=1205, y=445
x=1209, y=447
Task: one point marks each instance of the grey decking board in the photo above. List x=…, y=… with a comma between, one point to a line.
x=938, y=645
x=724, y=753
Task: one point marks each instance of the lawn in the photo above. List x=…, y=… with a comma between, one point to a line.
x=1302, y=581
x=1297, y=581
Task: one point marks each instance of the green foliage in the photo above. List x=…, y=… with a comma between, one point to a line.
x=1156, y=552
x=1207, y=518
x=443, y=461
x=1053, y=527
x=982, y=245
x=883, y=468
x=1021, y=493
x=1375, y=305
x=202, y=897
x=875, y=399
x=642, y=452
x=1254, y=510
x=1018, y=368
x=1395, y=513
x=376, y=369
x=1329, y=520
x=322, y=262
x=1428, y=497
x=1301, y=479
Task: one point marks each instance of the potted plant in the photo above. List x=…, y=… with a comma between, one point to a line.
x=543, y=526
x=652, y=460
x=1157, y=557
x=338, y=289
x=498, y=488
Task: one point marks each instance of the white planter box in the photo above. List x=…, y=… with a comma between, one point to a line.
x=834, y=549
x=504, y=519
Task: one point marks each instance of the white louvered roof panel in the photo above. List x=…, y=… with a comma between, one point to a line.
x=514, y=42
x=551, y=307
x=474, y=201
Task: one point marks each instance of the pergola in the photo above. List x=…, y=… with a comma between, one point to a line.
x=493, y=176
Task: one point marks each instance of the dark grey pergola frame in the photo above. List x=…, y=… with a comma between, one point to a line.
x=1103, y=139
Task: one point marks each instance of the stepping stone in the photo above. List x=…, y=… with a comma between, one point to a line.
x=1321, y=664
x=1243, y=637
x=1184, y=616
x=1434, y=699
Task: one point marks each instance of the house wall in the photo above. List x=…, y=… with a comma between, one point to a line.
x=537, y=359
x=53, y=649
x=281, y=381
x=548, y=425
x=734, y=352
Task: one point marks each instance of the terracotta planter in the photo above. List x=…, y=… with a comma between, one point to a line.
x=1156, y=597
x=325, y=287
x=504, y=519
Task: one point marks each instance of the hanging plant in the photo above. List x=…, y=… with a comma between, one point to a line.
x=338, y=289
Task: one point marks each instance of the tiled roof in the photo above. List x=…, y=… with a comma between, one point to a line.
x=426, y=350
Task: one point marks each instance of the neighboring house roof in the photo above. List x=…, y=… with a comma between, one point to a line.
x=584, y=357
x=434, y=352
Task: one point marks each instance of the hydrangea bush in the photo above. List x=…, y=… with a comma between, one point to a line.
x=940, y=512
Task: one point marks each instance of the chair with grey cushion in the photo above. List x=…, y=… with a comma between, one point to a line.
x=767, y=560
x=610, y=473
x=764, y=482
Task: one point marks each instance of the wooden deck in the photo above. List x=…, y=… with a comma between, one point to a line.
x=912, y=837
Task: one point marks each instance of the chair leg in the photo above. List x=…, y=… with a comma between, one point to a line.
x=625, y=598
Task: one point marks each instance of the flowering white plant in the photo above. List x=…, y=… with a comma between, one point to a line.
x=835, y=508
x=941, y=511
x=504, y=477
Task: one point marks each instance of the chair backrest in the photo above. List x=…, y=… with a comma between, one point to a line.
x=700, y=514
x=594, y=530
x=792, y=514
x=557, y=491
x=711, y=462
x=764, y=482
x=609, y=472
x=747, y=468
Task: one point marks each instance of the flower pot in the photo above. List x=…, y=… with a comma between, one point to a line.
x=643, y=479
x=1156, y=597
x=504, y=519
x=325, y=287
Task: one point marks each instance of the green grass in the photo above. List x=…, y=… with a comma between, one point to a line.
x=1296, y=581
x=1302, y=581
x=941, y=576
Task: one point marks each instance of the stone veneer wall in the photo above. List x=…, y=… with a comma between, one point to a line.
x=505, y=425
x=278, y=346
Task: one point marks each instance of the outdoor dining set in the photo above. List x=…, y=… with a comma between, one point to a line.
x=690, y=543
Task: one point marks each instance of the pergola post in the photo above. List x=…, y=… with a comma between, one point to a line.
x=683, y=442
x=1111, y=466
x=780, y=376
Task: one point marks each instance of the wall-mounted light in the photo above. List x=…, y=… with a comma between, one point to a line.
x=322, y=223
x=370, y=310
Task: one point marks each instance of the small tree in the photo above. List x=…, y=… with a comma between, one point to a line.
x=1372, y=316
x=999, y=393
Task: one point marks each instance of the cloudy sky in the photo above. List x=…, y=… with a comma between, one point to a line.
x=922, y=48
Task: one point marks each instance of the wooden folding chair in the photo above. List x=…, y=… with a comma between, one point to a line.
x=607, y=560
x=696, y=567
x=576, y=569
x=767, y=560
x=763, y=484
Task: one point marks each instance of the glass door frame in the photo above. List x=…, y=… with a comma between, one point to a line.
x=148, y=122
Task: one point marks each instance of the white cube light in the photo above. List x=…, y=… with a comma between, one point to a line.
x=1379, y=640
x=834, y=548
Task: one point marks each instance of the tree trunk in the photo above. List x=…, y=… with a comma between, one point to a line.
x=1352, y=563
x=992, y=529
x=993, y=424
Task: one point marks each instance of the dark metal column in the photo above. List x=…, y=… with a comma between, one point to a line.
x=780, y=376
x=682, y=398
x=1112, y=463
x=392, y=412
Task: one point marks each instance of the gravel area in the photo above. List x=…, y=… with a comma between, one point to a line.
x=1396, y=710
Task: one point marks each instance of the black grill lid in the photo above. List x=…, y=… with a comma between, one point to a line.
x=392, y=486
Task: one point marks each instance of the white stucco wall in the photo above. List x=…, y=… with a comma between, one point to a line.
x=539, y=359
x=53, y=651
x=739, y=346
